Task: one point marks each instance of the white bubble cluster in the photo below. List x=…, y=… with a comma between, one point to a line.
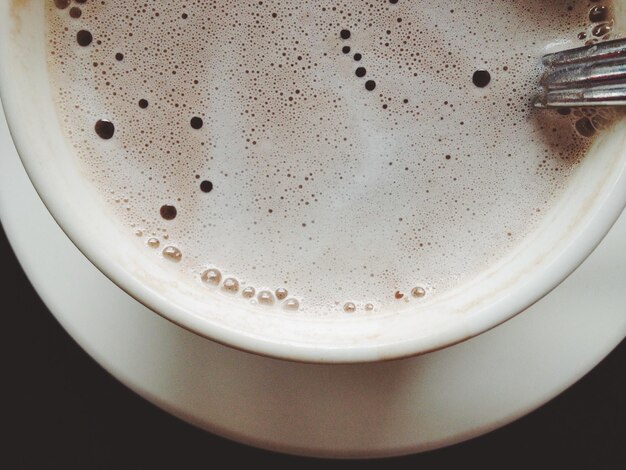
x=333, y=151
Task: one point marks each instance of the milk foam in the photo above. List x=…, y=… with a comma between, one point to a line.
x=357, y=171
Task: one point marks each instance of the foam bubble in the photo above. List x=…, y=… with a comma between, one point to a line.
x=248, y=292
x=230, y=285
x=153, y=242
x=281, y=293
x=418, y=292
x=292, y=304
x=212, y=276
x=349, y=307
x=265, y=297
x=172, y=253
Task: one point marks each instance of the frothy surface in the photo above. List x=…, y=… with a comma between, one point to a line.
x=323, y=157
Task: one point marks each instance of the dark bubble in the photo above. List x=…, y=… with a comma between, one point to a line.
x=564, y=111
x=84, y=37
x=360, y=72
x=601, y=30
x=119, y=56
x=196, y=122
x=585, y=128
x=75, y=12
x=598, y=13
x=105, y=129
x=345, y=49
x=370, y=85
x=206, y=186
x=357, y=57
x=143, y=104
x=168, y=212
x=481, y=78
x=393, y=2
x=345, y=34
x=62, y=4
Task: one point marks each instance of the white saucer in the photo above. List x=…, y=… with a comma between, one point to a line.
x=340, y=411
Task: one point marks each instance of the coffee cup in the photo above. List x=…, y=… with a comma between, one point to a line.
x=220, y=297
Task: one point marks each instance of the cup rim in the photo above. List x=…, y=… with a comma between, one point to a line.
x=606, y=212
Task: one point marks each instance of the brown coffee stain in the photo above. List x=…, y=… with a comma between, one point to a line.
x=17, y=4
x=16, y=7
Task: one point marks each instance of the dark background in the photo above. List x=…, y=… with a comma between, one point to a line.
x=62, y=410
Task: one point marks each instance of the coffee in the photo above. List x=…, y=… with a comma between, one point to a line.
x=321, y=157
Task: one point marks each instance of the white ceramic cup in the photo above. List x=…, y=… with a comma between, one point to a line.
x=590, y=204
